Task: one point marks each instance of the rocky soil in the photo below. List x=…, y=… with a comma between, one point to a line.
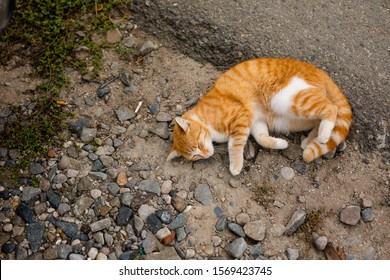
x=108, y=192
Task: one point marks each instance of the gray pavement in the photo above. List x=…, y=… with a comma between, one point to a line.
x=348, y=39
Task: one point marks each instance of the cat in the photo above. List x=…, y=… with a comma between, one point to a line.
x=262, y=95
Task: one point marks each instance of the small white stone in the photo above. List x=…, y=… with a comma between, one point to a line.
x=95, y=193
x=287, y=173
x=71, y=173
x=166, y=187
x=92, y=253
x=7, y=227
x=190, y=253
x=101, y=256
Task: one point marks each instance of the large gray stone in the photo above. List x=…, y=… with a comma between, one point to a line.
x=150, y=186
x=297, y=219
x=203, y=194
x=237, y=247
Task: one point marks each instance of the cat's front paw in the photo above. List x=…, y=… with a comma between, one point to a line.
x=235, y=170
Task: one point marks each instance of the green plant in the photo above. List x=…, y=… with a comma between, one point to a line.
x=47, y=34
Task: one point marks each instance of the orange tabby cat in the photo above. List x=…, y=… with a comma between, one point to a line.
x=262, y=95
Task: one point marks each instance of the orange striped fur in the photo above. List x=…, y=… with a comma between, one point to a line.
x=262, y=95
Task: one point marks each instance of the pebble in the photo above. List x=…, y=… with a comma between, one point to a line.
x=180, y=234
x=101, y=257
x=88, y=134
x=161, y=130
x=147, y=47
x=63, y=251
x=100, y=225
x=366, y=203
x=138, y=224
x=350, y=215
x=320, y=242
x=29, y=193
x=178, y=222
x=63, y=208
x=126, y=199
x=256, y=251
x=151, y=244
x=124, y=113
x=71, y=173
x=126, y=76
x=97, y=165
x=154, y=223
x=190, y=253
x=92, y=253
x=144, y=211
x=150, y=186
x=44, y=184
x=237, y=247
x=70, y=229
x=163, y=117
x=128, y=42
x=287, y=173
x=367, y=215
x=255, y=230
x=83, y=204
x=105, y=150
x=203, y=194
x=219, y=212
x=8, y=248
x=221, y=224
x=54, y=199
x=179, y=203
x=236, y=229
x=50, y=254
x=166, y=187
x=124, y=216
x=292, y=254
x=297, y=219
x=113, y=188
x=60, y=178
x=35, y=233
x=75, y=257
x=95, y=193
x=242, y=219
x=99, y=237
x=98, y=175
x=121, y=179
x=164, y=216
x=36, y=168
x=25, y=213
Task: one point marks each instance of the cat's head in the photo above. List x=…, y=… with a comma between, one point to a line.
x=191, y=140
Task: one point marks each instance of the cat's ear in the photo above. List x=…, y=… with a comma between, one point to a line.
x=184, y=124
x=173, y=154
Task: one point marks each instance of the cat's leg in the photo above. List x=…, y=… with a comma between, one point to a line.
x=237, y=141
x=313, y=104
x=260, y=132
x=312, y=135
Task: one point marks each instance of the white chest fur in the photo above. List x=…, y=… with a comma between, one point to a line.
x=282, y=101
x=217, y=136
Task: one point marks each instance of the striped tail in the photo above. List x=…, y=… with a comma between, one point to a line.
x=315, y=149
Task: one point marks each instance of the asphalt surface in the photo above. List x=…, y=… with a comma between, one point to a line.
x=350, y=39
